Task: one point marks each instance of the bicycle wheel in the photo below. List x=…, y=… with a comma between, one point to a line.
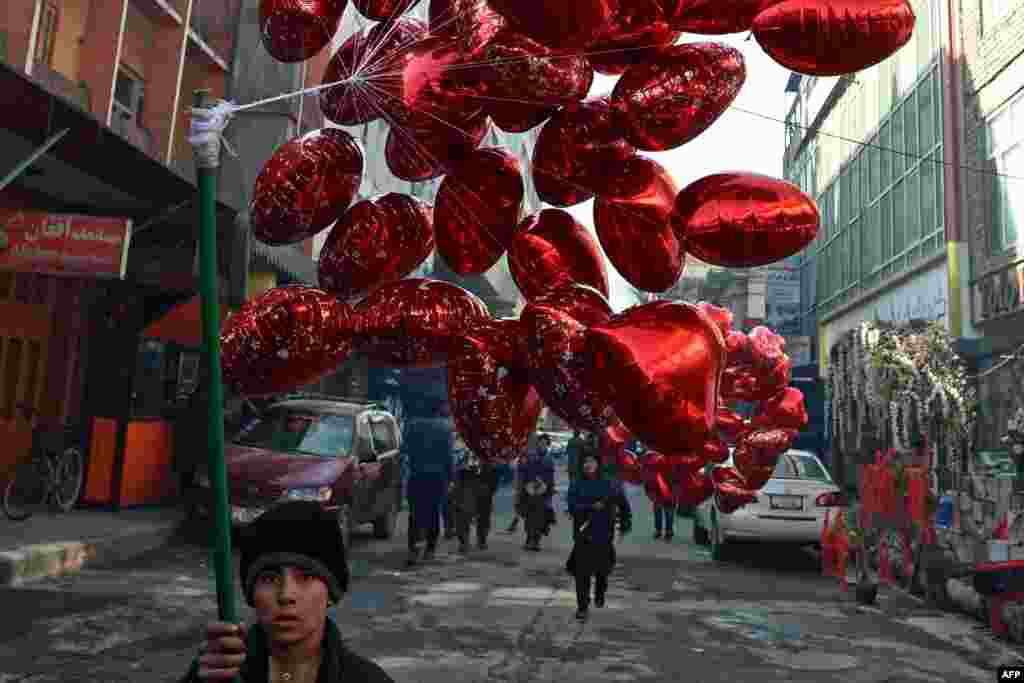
x=67, y=478
x=26, y=493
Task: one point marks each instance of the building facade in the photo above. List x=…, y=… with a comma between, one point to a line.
x=993, y=178
x=869, y=148
x=94, y=98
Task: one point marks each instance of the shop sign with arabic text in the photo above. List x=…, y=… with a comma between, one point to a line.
x=64, y=244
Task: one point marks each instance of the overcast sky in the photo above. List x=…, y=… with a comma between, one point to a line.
x=738, y=141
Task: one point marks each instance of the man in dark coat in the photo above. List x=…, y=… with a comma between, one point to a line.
x=476, y=483
x=293, y=566
x=431, y=443
x=537, y=470
x=596, y=503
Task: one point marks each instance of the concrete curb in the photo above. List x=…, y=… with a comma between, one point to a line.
x=33, y=562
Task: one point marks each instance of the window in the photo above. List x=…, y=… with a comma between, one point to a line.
x=1005, y=156
x=129, y=95
x=992, y=11
x=47, y=36
x=383, y=435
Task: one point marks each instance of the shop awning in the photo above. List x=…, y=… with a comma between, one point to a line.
x=182, y=325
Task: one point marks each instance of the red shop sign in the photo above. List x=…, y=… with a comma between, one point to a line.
x=64, y=244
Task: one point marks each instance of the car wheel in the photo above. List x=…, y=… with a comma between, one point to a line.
x=384, y=526
x=345, y=524
x=718, y=540
x=700, y=534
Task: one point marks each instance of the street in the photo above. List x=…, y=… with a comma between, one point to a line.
x=506, y=615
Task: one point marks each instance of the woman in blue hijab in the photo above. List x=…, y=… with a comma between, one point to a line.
x=595, y=503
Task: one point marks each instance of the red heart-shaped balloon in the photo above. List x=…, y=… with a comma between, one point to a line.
x=551, y=250
x=494, y=406
x=731, y=497
x=694, y=490
x=517, y=117
x=556, y=326
x=632, y=217
x=295, y=30
x=515, y=65
x=730, y=425
x=419, y=155
x=477, y=209
x=659, y=366
x=412, y=322
x=305, y=186
x=637, y=34
x=668, y=103
x=716, y=17
x=785, y=410
x=715, y=451
x=743, y=220
x=384, y=10
x=833, y=37
x=574, y=151
x=377, y=241
x=557, y=23
x=630, y=468
x=721, y=316
x=365, y=54
x=285, y=338
x=427, y=83
x=469, y=24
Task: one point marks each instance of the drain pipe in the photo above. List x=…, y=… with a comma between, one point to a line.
x=958, y=259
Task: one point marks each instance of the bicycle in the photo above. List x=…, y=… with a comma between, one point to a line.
x=53, y=474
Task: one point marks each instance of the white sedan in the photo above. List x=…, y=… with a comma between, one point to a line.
x=790, y=508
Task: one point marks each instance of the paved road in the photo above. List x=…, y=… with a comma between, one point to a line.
x=502, y=615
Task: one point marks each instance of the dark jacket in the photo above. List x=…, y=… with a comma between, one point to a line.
x=338, y=663
x=594, y=530
x=538, y=467
x=430, y=445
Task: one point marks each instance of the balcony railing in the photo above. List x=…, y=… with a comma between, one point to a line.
x=59, y=84
x=130, y=130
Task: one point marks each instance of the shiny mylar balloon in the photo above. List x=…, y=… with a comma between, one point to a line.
x=731, y=426
x=833, y=37
x=384, y=10
x=659, y=365
x=633, y=220
x=743, y=220
x=785, y=410
x=519, y=117
x=283, y=339
x=694, y=490
x=412, y=322
x=636, y=34
x=366, y=54
x=715, y=451
x=667, y=103
x=470, y=24
x=551, y=250
x=557, y=23
x=630, y=468
x=422, y=85
x=477, y=209
x=305, y=186
x=556, y=326
x=295, y=30
x=717, y=17
x=417, y=155
x=756, y=455
x=574, y=150
x=494, y=406
x=721, y=316
x=518, y=68
x=377, y=241
x=731, y=497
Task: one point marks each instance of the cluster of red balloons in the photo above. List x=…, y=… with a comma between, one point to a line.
x=757, y=371
x=661, y=370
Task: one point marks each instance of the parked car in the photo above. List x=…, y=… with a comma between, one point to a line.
x=341, y=453
x=559, y=443
x=790, y=508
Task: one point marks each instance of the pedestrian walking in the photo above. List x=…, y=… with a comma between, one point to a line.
x=536, y=490
x=573, y=451
x=596, y=504
x=476, y=482
x=293, y=566
x=664, y=519
x=431, y=464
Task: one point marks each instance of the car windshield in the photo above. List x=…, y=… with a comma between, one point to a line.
x=800, y=466
x=302, y=432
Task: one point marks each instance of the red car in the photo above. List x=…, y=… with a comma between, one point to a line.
x=341, y=453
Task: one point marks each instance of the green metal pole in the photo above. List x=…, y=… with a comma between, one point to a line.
x=222, y=559
x=23, y=166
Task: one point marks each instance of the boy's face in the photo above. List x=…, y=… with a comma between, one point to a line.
x=291, y=604
x=590, y=466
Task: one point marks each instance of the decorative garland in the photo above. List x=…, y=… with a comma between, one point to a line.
x=892, y=382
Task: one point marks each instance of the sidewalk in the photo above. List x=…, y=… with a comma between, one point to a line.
x=51, y=544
